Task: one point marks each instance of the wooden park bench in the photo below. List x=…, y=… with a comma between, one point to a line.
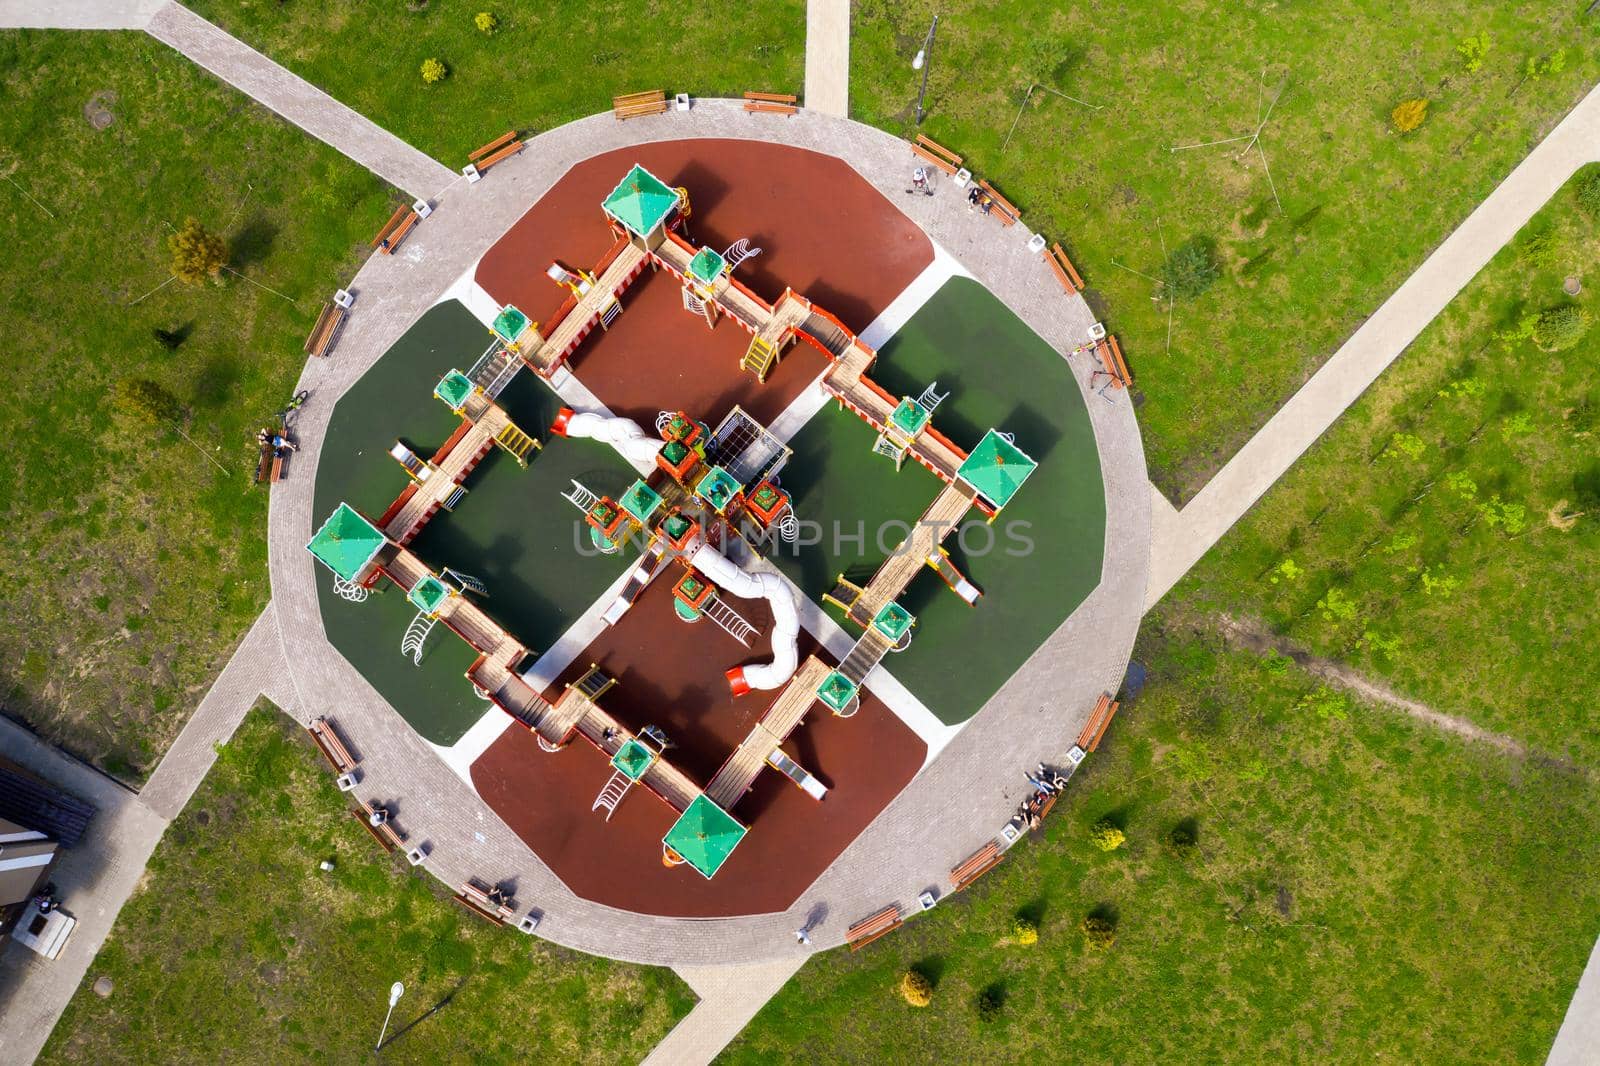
x=386, y=834
x=502, y=147
x=394, y=231
x=873, y=926
x=333, y=749
x=1064, y=270
x=1095, y=728
x=976, y=865
x=1004, y=209
x=1112, y=365
x=320, y=341
x=772, y=103
x=269, y=467
x=937, y=154
x=487, y=903
x=635, y=105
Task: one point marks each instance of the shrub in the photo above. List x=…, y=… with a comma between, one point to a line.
x=1099, y=931
x=434, y=71
x=145, y=399
x=1540, y=251
x=1589, y=191
x=1540, y=66
x=1106, y=836
x=486, y=22
x=916, y=989
x=1185, y=836
x=197, y=253
x=1024, y=930
x=1191, y=268
x=990, y=1003
x=1325, y=703
x=1405, y=446
x=1409, y=114
x=1559, y=328
x=1472, y=50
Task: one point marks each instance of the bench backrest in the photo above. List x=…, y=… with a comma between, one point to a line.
x=979, y=863
x=938, y=149
x=772, y=98
x=491, y=146
x=872, y=927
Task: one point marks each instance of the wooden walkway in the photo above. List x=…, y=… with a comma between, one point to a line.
x=786, y=712
x=428, y=496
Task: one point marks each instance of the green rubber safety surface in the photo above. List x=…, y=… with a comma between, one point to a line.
x=1039, y=559
x=512, y=529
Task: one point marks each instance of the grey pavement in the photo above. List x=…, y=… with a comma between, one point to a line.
x=1578, y=1042
x=299, y=101
x=77, y=14
x=955, y=805
x=729, y=997
x=1180, y=543
x=828, y=57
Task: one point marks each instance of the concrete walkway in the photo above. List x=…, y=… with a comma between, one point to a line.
x=1578, y=1042
x=729, y=997
x=77, y=14
x=828, y=57
x=1181, y=538
x=299, y=101
x=97, y=877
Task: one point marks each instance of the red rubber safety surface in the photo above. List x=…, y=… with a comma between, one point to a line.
x=822, y=229
x=671, y=674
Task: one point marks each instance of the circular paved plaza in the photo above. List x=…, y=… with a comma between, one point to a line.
x=930, y=767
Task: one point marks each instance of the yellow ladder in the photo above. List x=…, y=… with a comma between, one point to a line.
x=760, y=358
x=516, y=442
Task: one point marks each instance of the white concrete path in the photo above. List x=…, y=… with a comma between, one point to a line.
x=299, y=101
x=77, y=14
x=729, y=997
x=1179, y=540
x=828, y=57
x=1578, y=1042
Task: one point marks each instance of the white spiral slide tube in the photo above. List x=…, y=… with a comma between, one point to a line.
x=785, y=618
x=623, y=434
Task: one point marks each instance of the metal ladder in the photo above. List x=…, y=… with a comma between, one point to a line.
x=729, y=619
x=738, y=252
x=931, y=398
x=416, y=633
x=465, y=581
x=759, y=358
x=609, y=313
x=612, y=793
x=691, y=302
x=349, y=590
x=580, y=497
x=516, y=443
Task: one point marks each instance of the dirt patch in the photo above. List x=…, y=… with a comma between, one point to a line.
x=97, y=112
x=1557, y=516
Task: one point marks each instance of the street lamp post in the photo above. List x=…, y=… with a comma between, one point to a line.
x=396, y=990
x=923, y=60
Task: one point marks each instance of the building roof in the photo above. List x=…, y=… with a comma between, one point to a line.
x=640, y=501
x=453, y=389
x=346, y=543
x=706, y=266
x=427, y=594
x=641, y=201
x=35, y=805
x=633, y=759
x=836, y=690
x=705, y=835
x=509, y=323
x=909, y=417
x=996, y=468
x=893, y=621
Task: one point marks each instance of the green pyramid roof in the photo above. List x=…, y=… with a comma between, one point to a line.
x=453, y=389
x=893, y=621
x=910, y=416
x=836, y=690
x=640, y=501
x=633, y=759
x=640, y=201
x=705, y=835
x=346, y=543
x=996, y=468
x=426, y=595
x=510, y=323
x=706, y=266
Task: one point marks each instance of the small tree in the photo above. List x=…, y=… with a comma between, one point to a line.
x=1560, y=328
x=1409, y=114
x=1024, y=930
x=991, y=1001
x=486, y=22
x=1106, y=836
x=916, y=989
x=1190, y=269
x=1099, y=932
x=1472, y=51
x=434, y=71
x=1185, y=836
x=197, y=253
x=146, y=400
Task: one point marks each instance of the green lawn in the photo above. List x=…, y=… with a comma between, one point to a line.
x=1364, y=889
x=547, y=64
x=237, y=948
x=512, y=529
x=1038, y=560
x=1361, y=205
x=1449, y=524
x=131, y=563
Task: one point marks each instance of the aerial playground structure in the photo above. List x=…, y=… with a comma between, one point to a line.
x=711, y=494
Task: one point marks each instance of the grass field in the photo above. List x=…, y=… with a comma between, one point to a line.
x=1360, y=205
x=238, y=948
x=1364, y=889
x=131, y=562
x=1035, y=564
x=1449, y=525
x=545, y=65
x=513, y=529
